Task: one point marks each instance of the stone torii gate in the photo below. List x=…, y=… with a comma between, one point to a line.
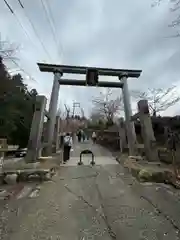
x=91, y=79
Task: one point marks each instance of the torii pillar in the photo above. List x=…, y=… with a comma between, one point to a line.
x=52, y=113
x=130, y=129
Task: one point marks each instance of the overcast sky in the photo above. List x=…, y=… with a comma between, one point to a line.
x=117, y=34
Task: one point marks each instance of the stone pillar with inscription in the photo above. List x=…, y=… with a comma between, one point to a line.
x=57, y=135
x=147, y=131
x=34, y=143
x=122, y=135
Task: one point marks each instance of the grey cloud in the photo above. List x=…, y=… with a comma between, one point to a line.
x=119, y=34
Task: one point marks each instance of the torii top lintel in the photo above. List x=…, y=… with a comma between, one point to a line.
x=44, y=67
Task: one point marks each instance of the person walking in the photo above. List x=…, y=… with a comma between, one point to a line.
x=67, y=147
x=79, y=136
x=83, y=136
x=94, y=137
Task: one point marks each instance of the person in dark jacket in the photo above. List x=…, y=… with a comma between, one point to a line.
x=79, y=135
x=67, y=147
x=83, y=136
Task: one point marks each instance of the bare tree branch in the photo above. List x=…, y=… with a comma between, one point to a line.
x=61, y=112
x=67, y=111
x=174, y=8
x=106, y=107
x=159, y=99
x=156, y=3
x=96, y=116
x=8, y=50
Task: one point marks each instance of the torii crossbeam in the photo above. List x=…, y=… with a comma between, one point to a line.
x=44, y=67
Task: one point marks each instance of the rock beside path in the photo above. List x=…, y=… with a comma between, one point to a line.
x=149, y=172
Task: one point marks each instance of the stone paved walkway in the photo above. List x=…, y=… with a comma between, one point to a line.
x=101, y=155
x=99, y=202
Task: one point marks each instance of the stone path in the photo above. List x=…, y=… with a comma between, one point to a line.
x=101, y=155
x=19, y=191
x=99, y=202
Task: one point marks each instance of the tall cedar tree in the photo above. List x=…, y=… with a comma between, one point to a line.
x=16, y=107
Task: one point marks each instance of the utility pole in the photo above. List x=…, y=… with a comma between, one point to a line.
x=75, y=105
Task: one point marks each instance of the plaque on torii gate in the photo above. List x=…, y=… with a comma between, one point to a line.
x=92, y=80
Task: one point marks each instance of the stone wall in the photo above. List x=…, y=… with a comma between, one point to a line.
x=109, y=138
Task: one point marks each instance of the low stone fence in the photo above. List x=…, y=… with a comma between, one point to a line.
x=109, y=139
